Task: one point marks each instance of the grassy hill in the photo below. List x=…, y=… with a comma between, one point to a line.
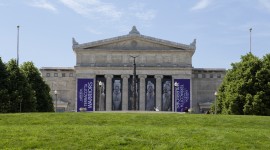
x=133, y=131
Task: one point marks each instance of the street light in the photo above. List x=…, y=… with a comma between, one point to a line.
x=55, y=93
x=99, y=103
x=176, y=84
x=216, y=93
x=134, y=82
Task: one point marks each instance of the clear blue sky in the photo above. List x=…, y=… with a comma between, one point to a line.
x=221, y=27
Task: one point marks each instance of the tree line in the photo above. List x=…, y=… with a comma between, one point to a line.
x=22, y=89
x=245, y=89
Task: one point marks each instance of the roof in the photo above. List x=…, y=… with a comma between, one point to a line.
x=210, y=69
x=58, y=68
x=134, y=34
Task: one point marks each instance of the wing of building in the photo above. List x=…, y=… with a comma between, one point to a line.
x=133, y=72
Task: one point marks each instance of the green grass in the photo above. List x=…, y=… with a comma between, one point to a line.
x=133, y=131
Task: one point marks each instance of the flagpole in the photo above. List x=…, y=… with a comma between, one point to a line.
x=250, y=39
x=18, y=27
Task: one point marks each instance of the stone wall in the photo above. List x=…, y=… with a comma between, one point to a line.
x=205, y=82
x=63, y=80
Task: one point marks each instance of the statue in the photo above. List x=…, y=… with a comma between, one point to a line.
x=150, y=96
x=193, y=43
x=166, y=96
x=117, y=95
x=74, y=42
x=102, y=97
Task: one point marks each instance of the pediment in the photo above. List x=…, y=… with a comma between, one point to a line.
x=134, y=44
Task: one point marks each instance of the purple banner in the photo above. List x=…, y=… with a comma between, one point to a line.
x=181, y=94
x=85, y=94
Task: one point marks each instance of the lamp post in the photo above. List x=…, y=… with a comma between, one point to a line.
x=99, y=103
x=134, y=105
x=55, y=93
x=216, y=93
x=176, y=85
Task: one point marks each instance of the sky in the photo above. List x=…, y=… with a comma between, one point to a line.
x=221, y=27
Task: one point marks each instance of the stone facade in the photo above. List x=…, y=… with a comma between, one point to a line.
x=158, y=62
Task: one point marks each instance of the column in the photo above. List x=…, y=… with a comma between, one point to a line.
x=142, y=92
x=125, y=92
x=158, y=91
x=108, y=92
x=173, y=94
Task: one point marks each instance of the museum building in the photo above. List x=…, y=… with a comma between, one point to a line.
x=107, y=72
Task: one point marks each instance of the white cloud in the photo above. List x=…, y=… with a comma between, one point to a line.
x=2, y=4
x=93, y=31
x=148, y=15
x=265, y=4
x=202, y=4
x=139, y=11
x=93, y=8
x=44, y=5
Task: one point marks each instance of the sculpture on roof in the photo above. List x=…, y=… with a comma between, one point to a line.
x=193, y=43
x=74, y=42
x=134, y=30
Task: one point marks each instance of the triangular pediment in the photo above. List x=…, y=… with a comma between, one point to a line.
x=135, y=42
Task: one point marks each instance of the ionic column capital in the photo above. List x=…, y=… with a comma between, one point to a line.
x=108, y=75
x=142, y=76
x=158, y=76
x=125, y=76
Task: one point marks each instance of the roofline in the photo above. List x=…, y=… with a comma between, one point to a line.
x=209, y=69
x=58, y=68
x=192, y=46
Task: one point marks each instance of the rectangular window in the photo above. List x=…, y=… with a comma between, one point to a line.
x=203, y=75
x=55, y=74
x=218, y=75
x=63, y=75
x=211, y=75
x=48, y=75
x=70, y=74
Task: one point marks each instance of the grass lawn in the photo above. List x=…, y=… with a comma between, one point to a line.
x=133, y=131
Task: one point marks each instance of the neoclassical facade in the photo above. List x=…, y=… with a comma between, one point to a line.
x=102, y=79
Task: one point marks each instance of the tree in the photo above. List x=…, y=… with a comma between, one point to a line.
x=245, y=88
x=42, y=90
x=263, y=76
x=22, y=97
x=4, y=84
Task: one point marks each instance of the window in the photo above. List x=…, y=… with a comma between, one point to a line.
x=55, y=74
x=48, y=75
x=211, y=75
x=63, y=75
x=70, y=74
x=203, y=75
x=218, y=75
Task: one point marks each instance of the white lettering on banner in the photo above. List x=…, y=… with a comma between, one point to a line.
x=81, y=95
x=178, y=97
x=181, y=96
x=90, y=94
x=85, y=95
